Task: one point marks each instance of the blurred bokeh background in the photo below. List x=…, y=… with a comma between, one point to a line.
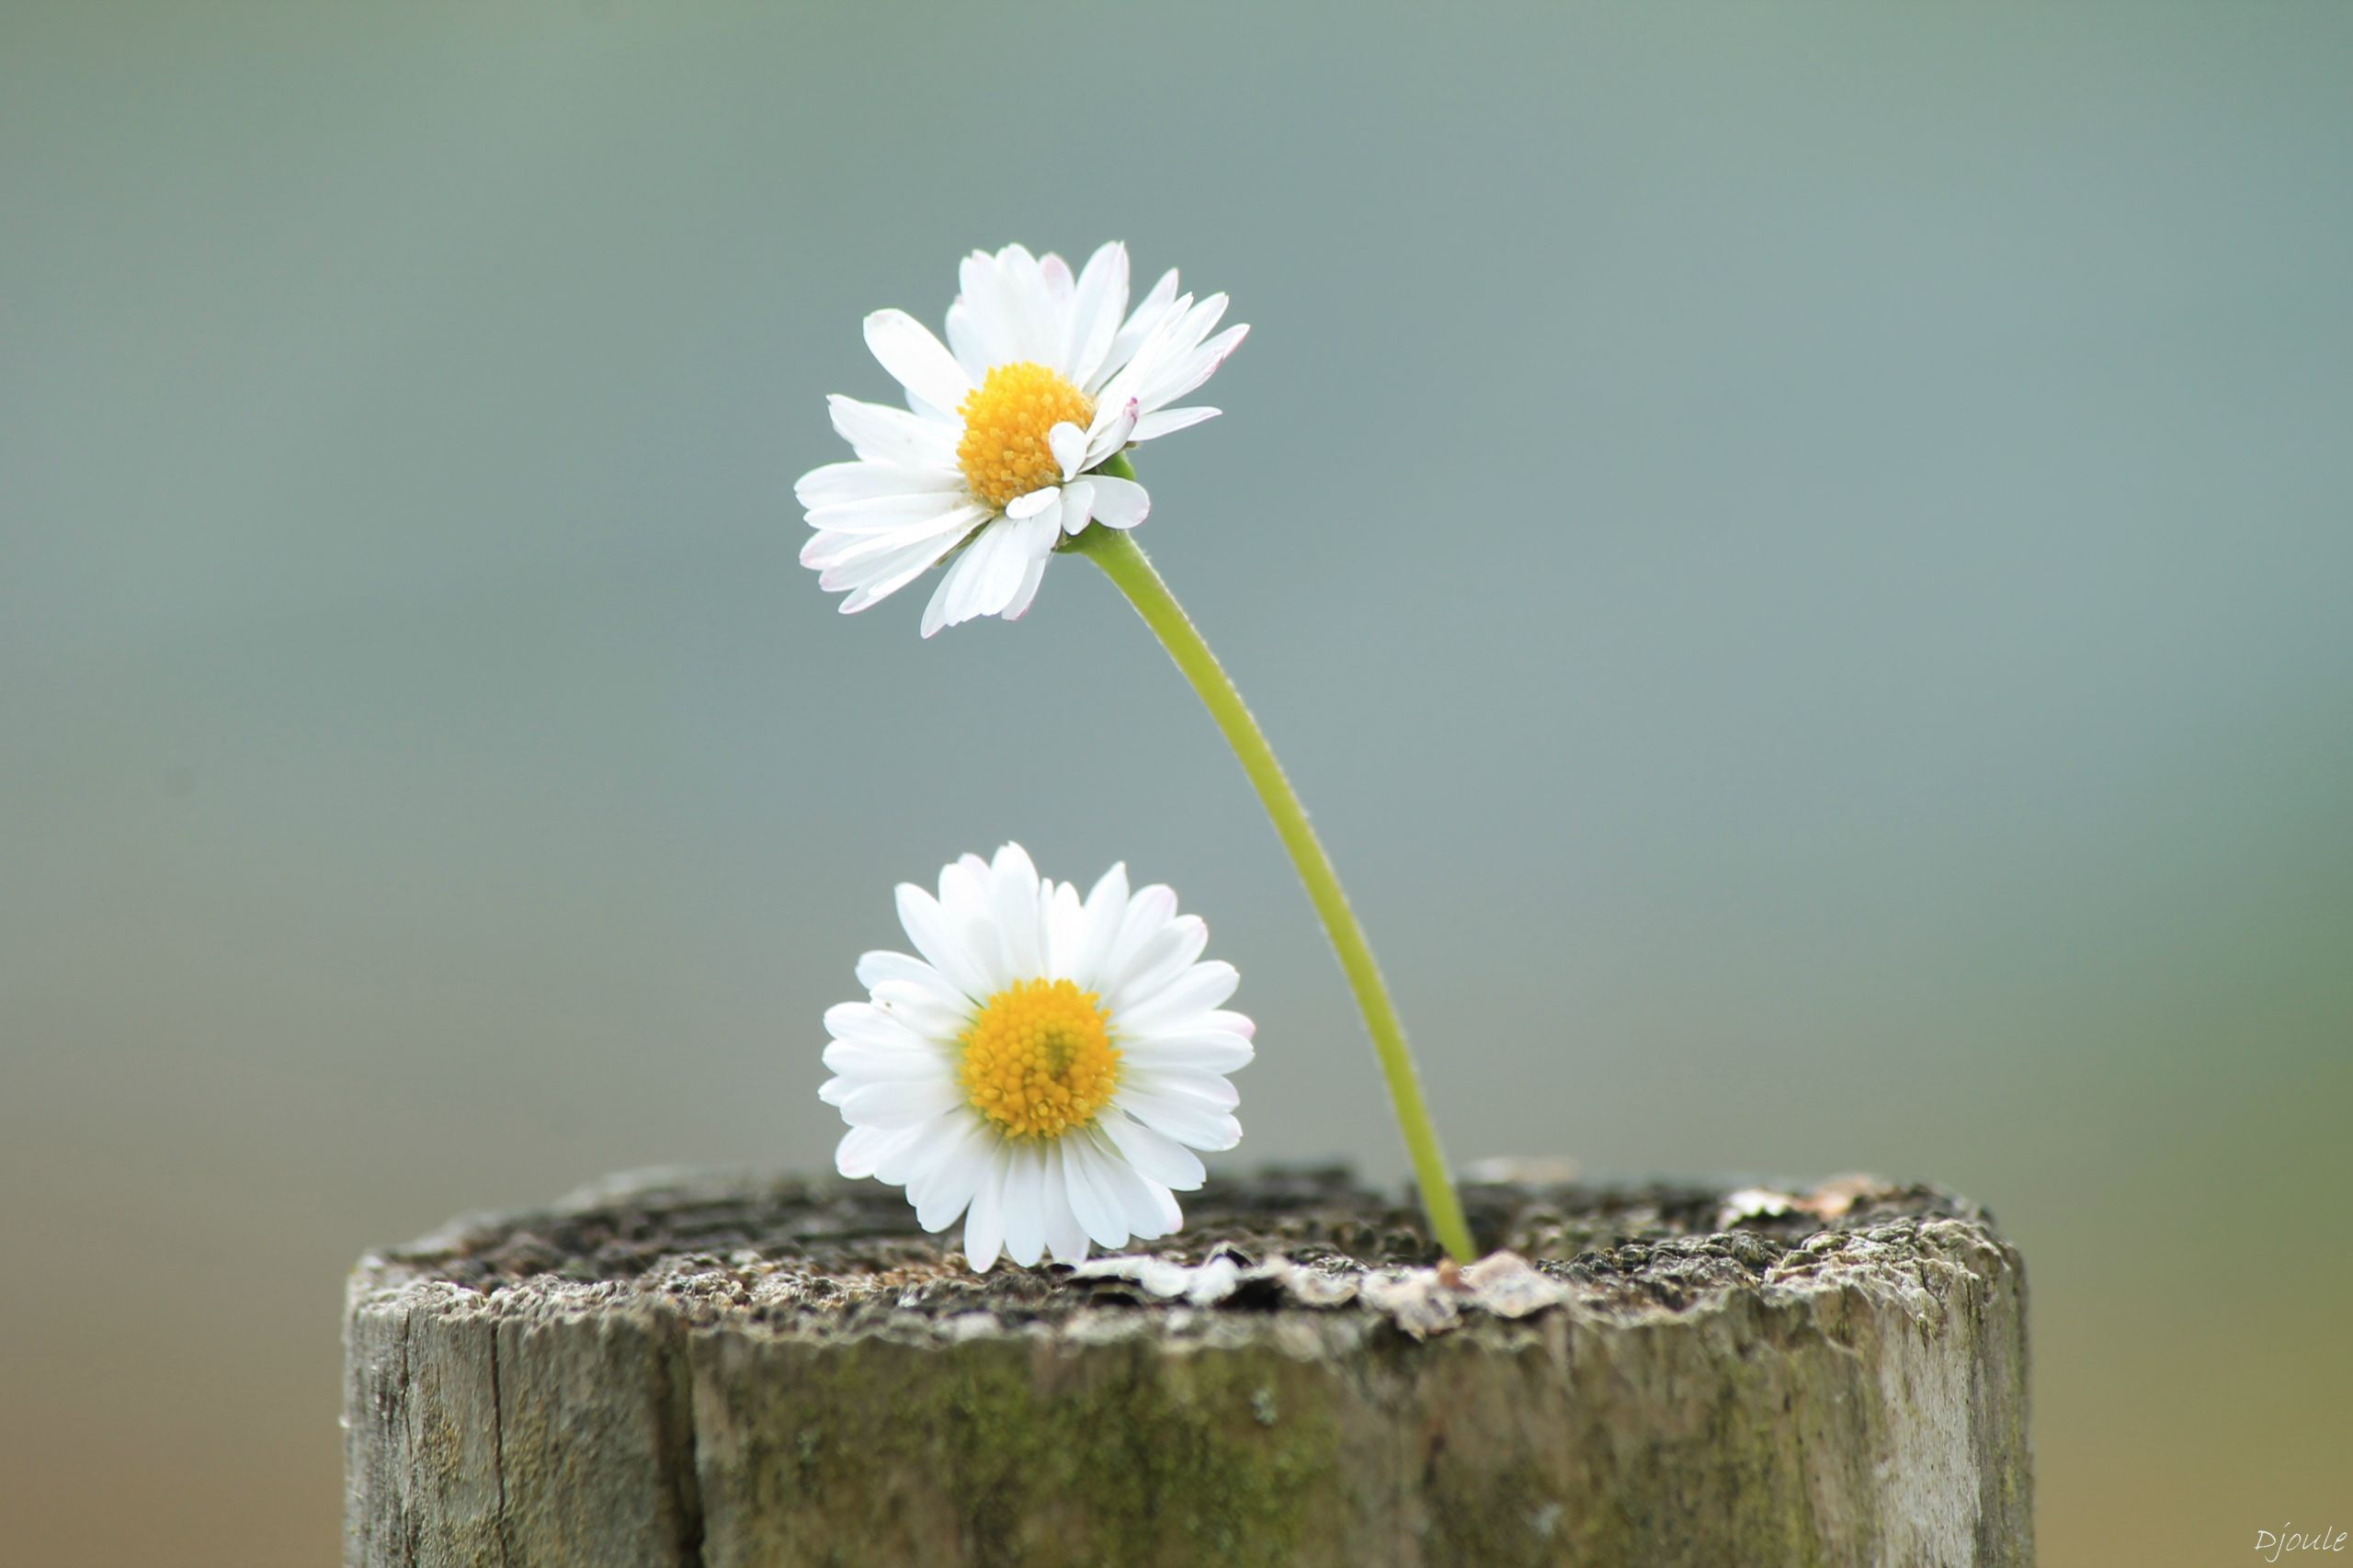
x=1801, y=555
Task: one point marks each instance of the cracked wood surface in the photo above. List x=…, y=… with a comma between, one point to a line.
x=706, y=1370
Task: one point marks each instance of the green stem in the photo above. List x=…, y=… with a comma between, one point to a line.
x=1123, y=560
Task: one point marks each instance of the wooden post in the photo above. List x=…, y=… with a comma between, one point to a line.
x=732, y=1371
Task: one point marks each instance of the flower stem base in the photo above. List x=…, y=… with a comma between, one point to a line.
x=1124, y=562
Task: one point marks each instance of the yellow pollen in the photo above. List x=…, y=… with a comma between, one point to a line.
x=1037, y=1061
x=1004, y=452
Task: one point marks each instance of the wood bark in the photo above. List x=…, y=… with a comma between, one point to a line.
x=720, y=1372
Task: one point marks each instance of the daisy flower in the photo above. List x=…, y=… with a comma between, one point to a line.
x=1000, y=452
x=1046, y=1069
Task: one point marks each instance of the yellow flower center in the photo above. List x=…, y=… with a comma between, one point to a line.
x=1004, y=452
x=1037, y=1061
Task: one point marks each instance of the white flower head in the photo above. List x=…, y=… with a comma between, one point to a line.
x=1046, y=1069
x=1044, y=378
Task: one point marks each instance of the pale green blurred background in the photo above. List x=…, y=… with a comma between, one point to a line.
x=1800, y=554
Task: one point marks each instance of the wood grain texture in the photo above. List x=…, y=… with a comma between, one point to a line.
x=729, y=1371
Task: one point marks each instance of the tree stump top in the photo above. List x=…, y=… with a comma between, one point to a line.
x=800, y=1257
x=724, y=1372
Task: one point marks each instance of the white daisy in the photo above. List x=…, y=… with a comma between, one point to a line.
x=1044, y=379
x=1046, y=1069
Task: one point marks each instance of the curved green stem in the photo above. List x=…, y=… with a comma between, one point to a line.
x=1123, y=560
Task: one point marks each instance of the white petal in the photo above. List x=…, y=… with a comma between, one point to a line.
x=856, y=561
x=1206, y=1050
x=1012, y=547
x=1065, y=1237
x=1067, y=442
x=862, y=1064
x=922, y=364
x=1078, y=505
x=1173, y=359
x=1149, y=355
x=1160, y=958
x=968, y=903
x=1155, y=1156
x=989, y=574
x=891, y=1104
x=1181, y=1118
x=940, y=943
x=1147, y=912
x=1107, y=906
x=1142, y=323
x=882, y=967
x=930, y=1006
x=965, y=890
x=1037, y=324
x=949, y=591
x=981, y=325
x=861, y=1146
x=984, y=1222
x=910, y=1164
x=1035, y=538
x=1207, y=1090
x=922, y=1012
x=1114, y=422
x=1168, y=421
x=837, y=483
x=1097, y=1201
x=1119, y=503
x=1182, y=329
x=907, y=1057
x=1182, y=1000
x=1028, y=593
x=972, y=337
x=872, y=578
x=1150, y=1210
x=1056, y=271
x=943, y=1188
x=864, y=1023
x=830, y=550
x=1023, y=507
x=1025, y=1217
x=1100, y=298
x=1065, y=931
x=887, y=514
x=894, y=435
x=1012, y=888
x=1183, y=372
x=997, y=559
x=984, y=579
x=1204, y=317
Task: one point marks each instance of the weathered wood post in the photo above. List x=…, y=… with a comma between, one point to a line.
x=738, y=1371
